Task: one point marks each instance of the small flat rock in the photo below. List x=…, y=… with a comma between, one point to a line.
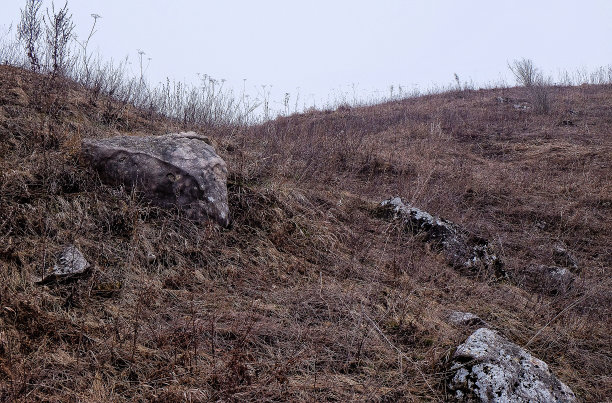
x=562, y=257
x=521, y=106
x=465, y=319
x=490, y=368
x=71, y=262
x=173, y=170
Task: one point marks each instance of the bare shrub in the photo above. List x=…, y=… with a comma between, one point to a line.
x=529, y=76
x=524, y=71
x=540, y=97
x=29, y=30
x=603, y=75
x=58, y=32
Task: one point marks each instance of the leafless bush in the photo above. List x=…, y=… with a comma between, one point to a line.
x=540, y=97
x=540, y=93
x=58, y=33
x=29, y=30
x=524, y=71
x=529, y=76
x=603, y=75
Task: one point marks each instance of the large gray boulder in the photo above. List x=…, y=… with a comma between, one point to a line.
x=177, y=169
x=490, y=368
x=463, y=250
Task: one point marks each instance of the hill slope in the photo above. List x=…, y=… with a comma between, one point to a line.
x=309, y=295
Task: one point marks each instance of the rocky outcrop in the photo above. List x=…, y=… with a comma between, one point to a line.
x=490, y=368
x=70, y=263
x=178, y=169
x=462, y=249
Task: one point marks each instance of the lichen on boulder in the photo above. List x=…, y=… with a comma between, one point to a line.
x=70, y=263
x=463, y=250
x=173, y=170
x=490, y=368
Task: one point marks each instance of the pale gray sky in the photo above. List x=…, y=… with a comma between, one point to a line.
x=320, y=46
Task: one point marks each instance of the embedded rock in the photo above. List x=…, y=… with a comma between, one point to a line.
x=489, y=368
x=564, y=258
x=71, y=262
x=177, y=169
x=465, y=319
x=551, y=280
x=521, y=106
x=463, y=250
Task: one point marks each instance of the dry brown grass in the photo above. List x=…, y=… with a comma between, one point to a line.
x=308, y=296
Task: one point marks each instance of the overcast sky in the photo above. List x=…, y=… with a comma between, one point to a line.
x=321, y=46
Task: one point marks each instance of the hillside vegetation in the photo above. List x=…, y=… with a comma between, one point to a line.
x=309, y=295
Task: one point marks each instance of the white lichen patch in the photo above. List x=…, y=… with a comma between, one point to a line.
x=461, y=248
x=490, y=368
x=71, y=261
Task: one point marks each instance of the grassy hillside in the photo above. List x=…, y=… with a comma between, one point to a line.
x=308, y=295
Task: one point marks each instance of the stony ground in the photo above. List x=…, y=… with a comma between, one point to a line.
x=309, y=295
